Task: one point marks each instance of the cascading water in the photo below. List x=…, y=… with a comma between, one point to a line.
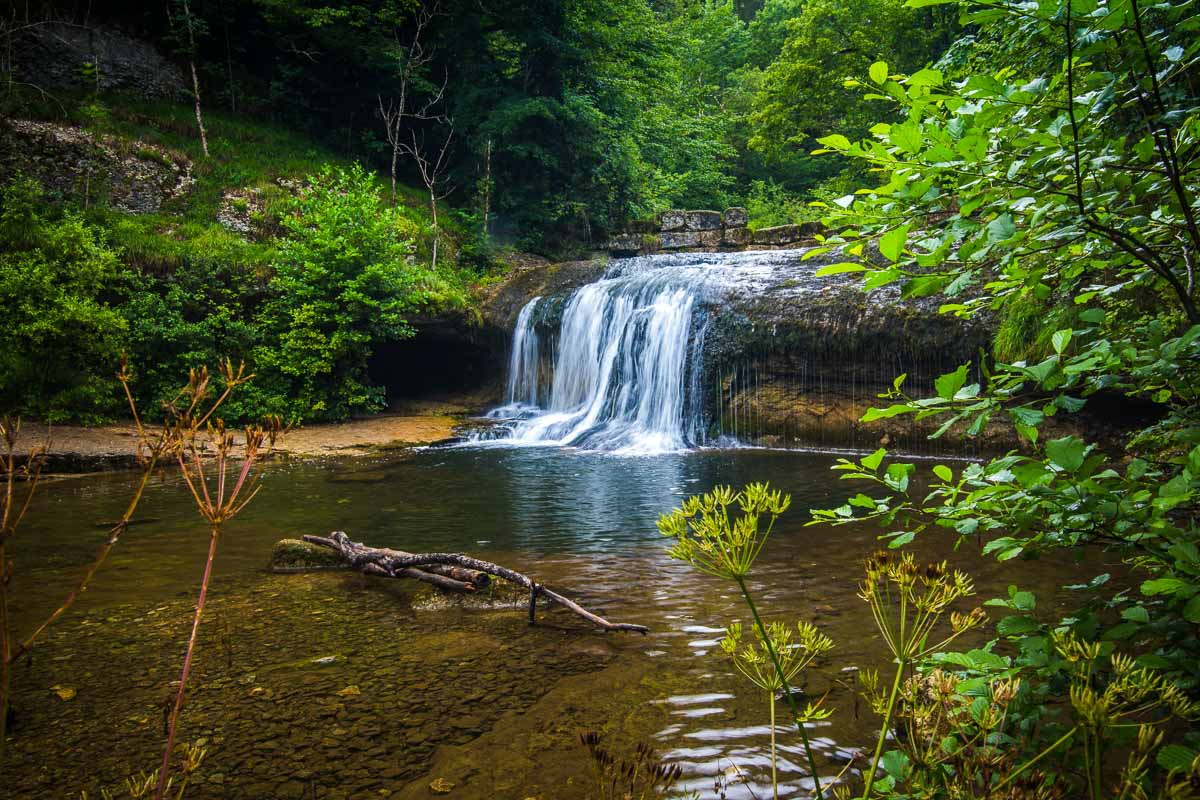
x=624, y=372
x=675, y=351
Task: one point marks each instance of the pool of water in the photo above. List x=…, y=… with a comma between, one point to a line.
x=332, y=685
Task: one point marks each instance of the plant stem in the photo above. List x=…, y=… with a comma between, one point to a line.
x=883, y=731
x=113, y=536
x=774, y=771
x=4, y=647
x=787, y=690
x=1012, y=776
x=164, y=768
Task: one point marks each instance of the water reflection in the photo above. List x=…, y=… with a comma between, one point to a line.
x=581, y=521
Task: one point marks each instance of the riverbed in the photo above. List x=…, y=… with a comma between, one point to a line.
x=332, y=685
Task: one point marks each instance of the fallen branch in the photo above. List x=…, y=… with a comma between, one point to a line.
x=394, y=563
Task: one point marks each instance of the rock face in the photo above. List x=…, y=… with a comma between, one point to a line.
x=70, y=162
x=53, y=55
x=708, y=230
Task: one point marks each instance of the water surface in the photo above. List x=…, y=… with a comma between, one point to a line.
x=339, y=686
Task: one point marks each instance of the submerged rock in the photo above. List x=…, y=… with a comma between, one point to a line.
x=295, y=555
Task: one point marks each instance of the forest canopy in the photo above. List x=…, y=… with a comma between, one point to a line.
x=573, y=117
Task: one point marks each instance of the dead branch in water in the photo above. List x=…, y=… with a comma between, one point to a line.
x=393, y=563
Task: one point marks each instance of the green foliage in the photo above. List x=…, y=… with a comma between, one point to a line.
x=60, y=342
x=1058, y=192
x=344, y=281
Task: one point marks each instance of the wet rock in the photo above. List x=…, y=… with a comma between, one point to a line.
x=625, y=243
x=702, y=220
x=735, y=237
x=780, y=234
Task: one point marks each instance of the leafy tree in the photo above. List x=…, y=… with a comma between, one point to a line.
x=345, y=280
x=802, y=94
x=60, y=342
x=1070, y=183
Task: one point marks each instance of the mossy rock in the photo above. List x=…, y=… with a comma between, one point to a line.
x=294, y=555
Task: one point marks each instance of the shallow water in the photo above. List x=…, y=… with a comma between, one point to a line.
x=331, y=685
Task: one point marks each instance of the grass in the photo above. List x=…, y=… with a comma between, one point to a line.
x=245, y=155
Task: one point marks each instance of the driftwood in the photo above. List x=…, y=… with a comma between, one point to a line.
x=398, y=564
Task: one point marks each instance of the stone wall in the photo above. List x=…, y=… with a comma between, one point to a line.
x=685, y=231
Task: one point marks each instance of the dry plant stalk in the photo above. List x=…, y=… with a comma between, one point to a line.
x=150, y=449
x=13, y=513
x=218, y=499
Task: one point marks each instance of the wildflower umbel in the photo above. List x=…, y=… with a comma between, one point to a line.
x=710, y=539
x=794, y=651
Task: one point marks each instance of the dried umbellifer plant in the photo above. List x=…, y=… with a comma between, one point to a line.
x=220, y=490
x=641, y=776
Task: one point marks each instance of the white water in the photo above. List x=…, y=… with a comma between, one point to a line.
x=625, y=372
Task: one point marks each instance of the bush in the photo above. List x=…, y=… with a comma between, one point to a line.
x=344, y=281
x=61, y=342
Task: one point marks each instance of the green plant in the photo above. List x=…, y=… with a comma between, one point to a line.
x=345, y=280
x=794, y=654
x=724, y=546
x=908, y=603
x=61, y=341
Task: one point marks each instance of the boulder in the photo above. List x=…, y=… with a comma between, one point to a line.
x=735, y=237
x=709, y=238
x=674, y=240
x=780, y=234
x=673, y=220
x=702, y=220
x=625, y=244
x=735, y=217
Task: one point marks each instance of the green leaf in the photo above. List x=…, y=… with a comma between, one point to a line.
x=835, y=141
x=873, y=461
x=1136, y=614
x=901, y=539
x=943, y=472
x=892, y=243
x=948, y=385
x=1066, y=453
x=1162, y=586
x=1176, y=758
x=837, y=269
x=879, y=72
x=887, y=413
x=1001, y=228
x=1191, y=612
x=1060, y=340
x=894, y=763
x=862, y=501
x=1016, y=626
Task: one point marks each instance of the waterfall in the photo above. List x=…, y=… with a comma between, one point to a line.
x=625, y=370
x=669, y=352
x=523, y=364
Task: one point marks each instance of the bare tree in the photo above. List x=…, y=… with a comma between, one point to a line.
x=432, y=168
x=394, y=111
x=191, y=23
